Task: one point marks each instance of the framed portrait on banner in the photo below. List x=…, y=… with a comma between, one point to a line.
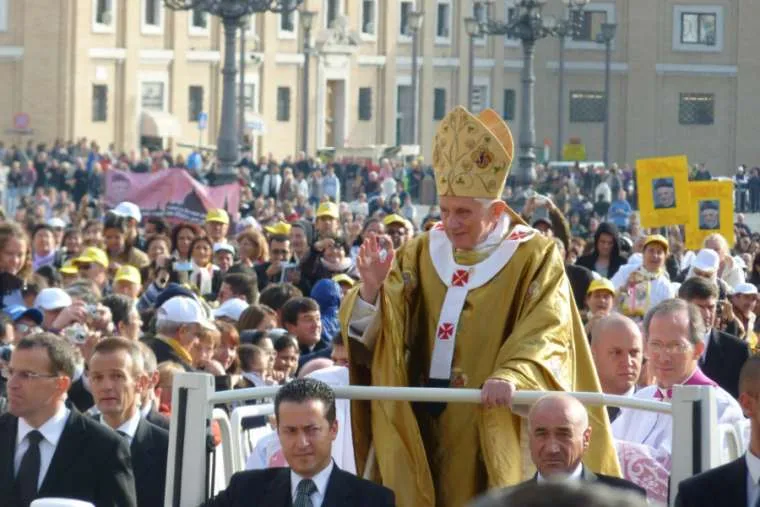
x=663, y=188
x=712, y=210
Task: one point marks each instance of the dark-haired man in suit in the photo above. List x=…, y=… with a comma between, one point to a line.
x=47, y=450
x=118, y=378
x=738, y=482
x=307, y=427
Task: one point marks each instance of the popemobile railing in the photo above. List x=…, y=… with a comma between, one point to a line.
x=695, y=429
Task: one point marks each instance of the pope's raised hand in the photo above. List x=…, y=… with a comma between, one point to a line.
x=374, y=262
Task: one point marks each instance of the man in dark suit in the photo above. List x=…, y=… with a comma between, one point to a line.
x=47, y=450
x=559, y=435
x=307, y=427
x=117, y=374
x=724, y=354
x=732, y=479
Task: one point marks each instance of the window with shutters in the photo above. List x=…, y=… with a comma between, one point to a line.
x=509, y=104
x=195, y=102
x=696, y=109
x=587, y=106
x=439, y=103
x=249, y=94
x=99, y=103
x=365, y=104
x=283, y=103
x=480, y=99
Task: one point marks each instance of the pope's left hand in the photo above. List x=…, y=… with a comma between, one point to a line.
x=497, y=393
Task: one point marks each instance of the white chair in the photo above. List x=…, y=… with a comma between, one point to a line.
x=59, y=502
x=245, y=440
x=730, y=443
x=742, y=431
x=226, y=464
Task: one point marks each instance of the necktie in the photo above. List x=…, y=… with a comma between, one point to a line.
x=123, y=435
x=613, y=412
x=305, y=489
x=29, y=471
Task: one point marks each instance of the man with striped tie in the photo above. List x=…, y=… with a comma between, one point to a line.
x=307, y=427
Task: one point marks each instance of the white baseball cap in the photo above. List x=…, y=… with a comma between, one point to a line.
x=706, y=260
x=745, y=288
x=52, y=299
x=56, y=223
x=184, y=310
x=128, y=209
x=224, y=247
x=231, y=309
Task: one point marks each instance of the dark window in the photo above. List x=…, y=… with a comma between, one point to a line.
x=200, y=19
x=287, y=23
x=586, y=106
x=283, y=103
x=103, y=14
x=152, y=13
x=509, y=104
x=439, y=104
x=698, y=28
x=99, y=103
x=443, y=20
x=406, y=8
x=696, y=109
x=590, y=25
x=195, y=102
x=368, y=17
x=365, y=104
x=332, y=12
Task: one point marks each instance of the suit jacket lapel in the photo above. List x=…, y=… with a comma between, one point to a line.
x=736, y=485
x=8, y=430
x=278, y=493
x=72, y=439
x=338, y=492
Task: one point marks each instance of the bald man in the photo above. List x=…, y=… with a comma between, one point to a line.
x=737, y=481
x=559, y=435
x=616, y=346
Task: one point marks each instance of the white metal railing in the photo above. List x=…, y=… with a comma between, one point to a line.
x=696, y=439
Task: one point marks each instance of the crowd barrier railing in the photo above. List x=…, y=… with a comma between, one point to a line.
x=696, y=436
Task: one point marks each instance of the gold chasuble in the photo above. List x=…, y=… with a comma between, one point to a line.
x=509, y=315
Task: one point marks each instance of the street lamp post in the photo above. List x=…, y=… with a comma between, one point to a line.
x=244, y=24
x=568, y=27
x=307, y=22
x=232, y=13
x=606, y=36
x=529, y=25
x=414, y=26
x=472, y=25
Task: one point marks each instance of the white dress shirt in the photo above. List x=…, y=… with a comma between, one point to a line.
x=145, y=408
x=51, y=431
x=753, y=477
x=575, y=476
x=128, y=427
x=320, y=481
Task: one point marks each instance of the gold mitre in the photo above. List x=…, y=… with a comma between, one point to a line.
x=472, y=154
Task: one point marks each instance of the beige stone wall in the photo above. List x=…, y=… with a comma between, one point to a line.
x=48, y=69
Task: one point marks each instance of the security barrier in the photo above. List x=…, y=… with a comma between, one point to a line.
x=696, y=435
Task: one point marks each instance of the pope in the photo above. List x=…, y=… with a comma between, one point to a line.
x=479, y=301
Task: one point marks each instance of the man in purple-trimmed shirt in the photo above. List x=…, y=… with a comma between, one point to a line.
x=674, y=332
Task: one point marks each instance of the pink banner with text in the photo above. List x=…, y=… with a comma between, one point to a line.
x=171, y=194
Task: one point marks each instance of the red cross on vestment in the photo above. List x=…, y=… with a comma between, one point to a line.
x=446, y=331
x=460, y=278
x=518, y=235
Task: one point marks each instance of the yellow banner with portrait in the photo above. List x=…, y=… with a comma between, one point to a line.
x=711, y=210
x=663, y=188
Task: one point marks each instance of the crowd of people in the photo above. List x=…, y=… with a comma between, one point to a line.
x=101, y=307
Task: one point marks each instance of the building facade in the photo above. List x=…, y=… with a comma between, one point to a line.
x=685, y=76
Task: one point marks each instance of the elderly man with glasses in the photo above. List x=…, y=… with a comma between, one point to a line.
x=674, y=332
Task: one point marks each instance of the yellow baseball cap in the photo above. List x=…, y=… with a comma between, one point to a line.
x=217, y=215
x=659, y=239
x=93, y=255
x=344, y=278
x=278, y=229
x=395, y=218
x=600, y=284
x=327, y=209
x=69, y=268
x=128, y=273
